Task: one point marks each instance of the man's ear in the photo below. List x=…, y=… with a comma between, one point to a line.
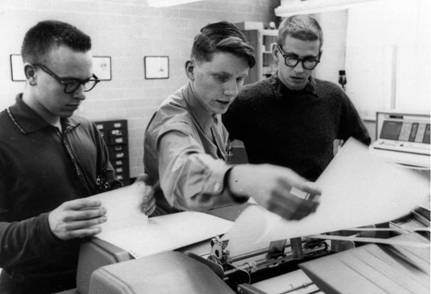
x=30, y=74
x=190, y=67
x=275, y=52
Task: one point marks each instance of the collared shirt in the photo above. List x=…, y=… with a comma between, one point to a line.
x=40, y=168
x=189, y=163
x=295, y=129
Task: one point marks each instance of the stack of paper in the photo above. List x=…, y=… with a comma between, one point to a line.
x=167, y=232
x=128, y=228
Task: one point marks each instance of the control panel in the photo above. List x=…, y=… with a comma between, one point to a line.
x=404, y=133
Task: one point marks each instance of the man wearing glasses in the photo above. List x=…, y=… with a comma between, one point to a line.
x=49, y=161
x=292, y=119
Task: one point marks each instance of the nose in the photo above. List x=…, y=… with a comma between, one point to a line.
x=299, y=67
x=79, y=93
x=231, y=89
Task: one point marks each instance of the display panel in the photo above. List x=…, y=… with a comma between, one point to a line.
x=426, y=139
x=413, y=132
x=391, y=130
x=405, y=131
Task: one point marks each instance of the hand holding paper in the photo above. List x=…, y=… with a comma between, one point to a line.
x=77, y=219
x=123, y=206
x=129, y=228
x=148, y=204
x=273, y=187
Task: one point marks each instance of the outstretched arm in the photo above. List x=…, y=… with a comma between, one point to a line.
x=190, y=178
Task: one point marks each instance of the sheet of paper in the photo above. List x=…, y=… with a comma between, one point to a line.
x=358, y=188
x=128, y=228
x=167, y=232
x=123, y=207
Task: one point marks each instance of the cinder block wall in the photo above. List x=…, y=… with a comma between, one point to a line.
x=126, y=30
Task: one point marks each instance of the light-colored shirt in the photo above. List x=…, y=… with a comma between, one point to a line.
x=189, y=162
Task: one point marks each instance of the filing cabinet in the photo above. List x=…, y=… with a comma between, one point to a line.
x=114, y=132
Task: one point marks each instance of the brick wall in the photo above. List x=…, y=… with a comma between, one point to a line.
x=126, y=30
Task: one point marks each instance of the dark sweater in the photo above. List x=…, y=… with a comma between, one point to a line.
x=295, y=129
x=37, y=174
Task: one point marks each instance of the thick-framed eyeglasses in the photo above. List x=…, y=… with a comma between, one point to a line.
x=291, y=60
x=71, y=84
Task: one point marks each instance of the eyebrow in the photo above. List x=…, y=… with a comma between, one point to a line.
x=224, y=74
x=221, y=73
x=294, y=54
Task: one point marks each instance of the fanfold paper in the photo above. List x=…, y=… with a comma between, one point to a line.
x=358, y=189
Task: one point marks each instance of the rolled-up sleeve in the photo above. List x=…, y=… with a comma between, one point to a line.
x=190, y=178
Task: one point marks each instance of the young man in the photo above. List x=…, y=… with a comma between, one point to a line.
x=292, y=119
x=186, y=143
x=49, y=161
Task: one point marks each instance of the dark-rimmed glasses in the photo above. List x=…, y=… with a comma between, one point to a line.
x=292, y=60
x=71, y=84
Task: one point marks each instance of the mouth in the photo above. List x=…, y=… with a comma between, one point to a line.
x=223, y=102
x=297, y=79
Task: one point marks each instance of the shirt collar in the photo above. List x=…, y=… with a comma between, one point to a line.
x=198, y=111
x=310, y=88
x=28, y=121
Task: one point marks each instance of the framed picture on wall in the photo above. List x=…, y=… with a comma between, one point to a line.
x=102, y=67
x=16, y=68
x=156, y=67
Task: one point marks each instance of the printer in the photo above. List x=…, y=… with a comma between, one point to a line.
x=297, y=265
x=204, y=267
x=285, y=266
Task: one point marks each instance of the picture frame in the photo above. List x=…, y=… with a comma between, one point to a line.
x=102, y=67
x=16, y=68
x=156, y=67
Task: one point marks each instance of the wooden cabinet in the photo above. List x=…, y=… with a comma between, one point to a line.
x=262, y=40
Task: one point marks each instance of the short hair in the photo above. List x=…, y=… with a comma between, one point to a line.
x=42, y=37
x=302, y=27
x=222, y=37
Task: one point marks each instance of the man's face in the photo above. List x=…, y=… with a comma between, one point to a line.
x=65, y=63
x=295, y=78
x=216, y=83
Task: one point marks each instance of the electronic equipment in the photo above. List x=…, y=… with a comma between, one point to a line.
x=241, y=273
x=403, y=138
x=295, y=266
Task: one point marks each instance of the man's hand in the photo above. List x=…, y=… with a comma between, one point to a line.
x=148, y=204
x=77, y=218
x=274, y=188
